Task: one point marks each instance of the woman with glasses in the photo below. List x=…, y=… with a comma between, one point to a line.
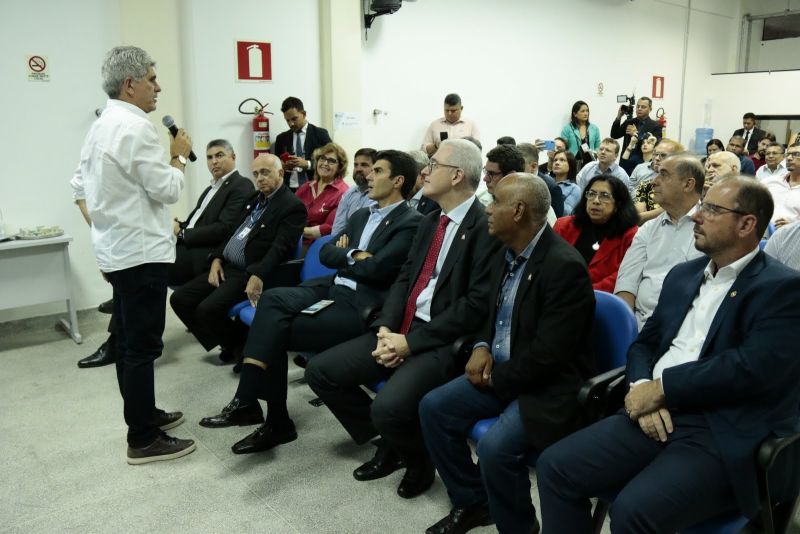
x=644, y=170
x=583, y=137
x=564, y=170
x=321, y=196
x=602, y=228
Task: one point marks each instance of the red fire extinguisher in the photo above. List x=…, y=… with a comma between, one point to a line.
x=662, y=121
x=261, y=139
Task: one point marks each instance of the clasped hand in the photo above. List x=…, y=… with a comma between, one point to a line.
x=645, y=405
x=392, y=349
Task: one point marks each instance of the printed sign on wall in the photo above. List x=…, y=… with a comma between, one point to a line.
x=37, y=69
x=254, y=61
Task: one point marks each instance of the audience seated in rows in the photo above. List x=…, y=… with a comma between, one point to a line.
x=644, y=198
x=322, y=195
x=785, y=190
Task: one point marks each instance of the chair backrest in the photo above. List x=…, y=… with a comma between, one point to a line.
x=298, y=253
x=613, y=332
x=312, y=268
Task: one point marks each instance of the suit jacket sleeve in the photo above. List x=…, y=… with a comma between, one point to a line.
x=290, y=228
x=212, y=234
x=568, y=307
x=748, y=370
x=336, y=257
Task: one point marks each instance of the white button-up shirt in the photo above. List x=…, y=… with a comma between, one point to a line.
x=692, y=335
x=126, y=182
x=785, y=196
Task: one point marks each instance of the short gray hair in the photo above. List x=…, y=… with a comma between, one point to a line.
x=123, y=62
x=420, y=158
x=467, y=157
x=222, y=143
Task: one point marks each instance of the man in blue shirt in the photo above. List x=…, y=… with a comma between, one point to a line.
x=357, y=196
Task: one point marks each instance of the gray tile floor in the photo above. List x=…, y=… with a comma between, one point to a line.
x=64, y=470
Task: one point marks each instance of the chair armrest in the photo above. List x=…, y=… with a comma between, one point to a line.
x=462, y=349
x=370, y=313
x=594, y=394
x=772, y=447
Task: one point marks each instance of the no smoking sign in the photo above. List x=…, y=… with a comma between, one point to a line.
x=38, y=69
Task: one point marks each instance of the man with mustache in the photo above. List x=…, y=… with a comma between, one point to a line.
x=357, y=196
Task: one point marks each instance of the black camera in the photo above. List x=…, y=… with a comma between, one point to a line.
x=630, y=101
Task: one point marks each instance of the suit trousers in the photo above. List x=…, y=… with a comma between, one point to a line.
x=447, y=415
x=660, y=487
x=140, y=295
x=278, y=326
x=337, y=374
x=185, y=267
x=203, y=308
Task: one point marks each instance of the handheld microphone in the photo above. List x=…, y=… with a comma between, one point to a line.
x=169, y=122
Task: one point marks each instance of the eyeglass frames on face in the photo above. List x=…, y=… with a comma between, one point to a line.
x=433, y=164
x=329, y=161
x=492, y=174
x=714, y=210
x=601, y=196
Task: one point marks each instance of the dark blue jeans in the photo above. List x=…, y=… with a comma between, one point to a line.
x=140, y=296
x=447, y=414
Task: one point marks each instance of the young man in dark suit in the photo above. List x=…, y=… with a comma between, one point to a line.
x=368, y=255
x=270, y=225
x=440, y=294
x=296, y=146
x=214, y=217
x=531, y=358
x=712, y=374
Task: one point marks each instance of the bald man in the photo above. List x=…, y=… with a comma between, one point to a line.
x=530, y=359
x=720, y=165
x=270, y=225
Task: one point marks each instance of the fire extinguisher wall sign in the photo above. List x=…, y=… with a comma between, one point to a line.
x=253, y=61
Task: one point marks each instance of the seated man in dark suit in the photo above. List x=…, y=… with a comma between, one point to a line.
x=531, y=358
x=713, y=373
x=208, y=225
x=440, y=294
x=368, y=255
x=214, y=217
x=299, y=142
x=270, y=225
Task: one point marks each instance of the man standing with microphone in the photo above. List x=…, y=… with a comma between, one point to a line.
x=127, y=184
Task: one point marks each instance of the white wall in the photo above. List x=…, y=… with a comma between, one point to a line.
x=519, y=65
x=776, y=54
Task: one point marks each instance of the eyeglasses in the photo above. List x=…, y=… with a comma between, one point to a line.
x=714, y=210
x=660, y=154
x=329, y=161
x=433, y=164
x=601, y=196
x=493, y=174
x=793, y=153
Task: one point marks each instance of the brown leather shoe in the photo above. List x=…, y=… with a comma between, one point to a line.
x=162, y=448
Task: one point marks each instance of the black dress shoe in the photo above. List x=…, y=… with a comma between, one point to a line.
x=300, y=360
x=235, y=414
x=102, y=356
x=106, y=307
x=417, y=480
x=231, y=354
x=461, y=520
x=264, y=438
x=384, y=463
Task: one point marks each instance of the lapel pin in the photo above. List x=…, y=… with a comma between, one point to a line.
x=463, y=237
x=733, y=294
x=530, y=276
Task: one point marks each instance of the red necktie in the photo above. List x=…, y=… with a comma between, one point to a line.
x=425, y=274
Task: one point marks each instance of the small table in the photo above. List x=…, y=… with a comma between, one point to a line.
x=37, y=271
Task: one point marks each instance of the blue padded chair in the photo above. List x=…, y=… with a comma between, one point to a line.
x=762, y=244
x=613, y=331
x=770, y=229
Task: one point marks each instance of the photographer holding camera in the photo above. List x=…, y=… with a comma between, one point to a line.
x=635, y=127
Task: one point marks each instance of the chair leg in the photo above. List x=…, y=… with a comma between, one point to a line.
x=599, y=515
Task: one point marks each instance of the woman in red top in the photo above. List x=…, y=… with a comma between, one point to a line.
x=321, y=196
x=602, y=228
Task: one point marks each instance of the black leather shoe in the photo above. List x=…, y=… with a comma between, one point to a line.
x=384, y=463
x=235, y=414
x=300, y=360
x=231, y=354
x=461, y=520
x=168, y=420
x=536, y=526
x=100, y=357
x=106, y=307
x=417, y=480
x=264, y=438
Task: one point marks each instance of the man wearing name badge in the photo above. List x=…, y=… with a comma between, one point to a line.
x=215, y=215
x=127, y=186
x=296, y=146
x=440, y=295
x=357, y=196
x=367, y=255
x=712, y=374
x=269, y=227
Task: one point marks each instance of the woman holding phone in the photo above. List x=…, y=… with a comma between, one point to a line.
x=583, y=137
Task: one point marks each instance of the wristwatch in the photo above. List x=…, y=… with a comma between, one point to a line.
x=181, y=159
